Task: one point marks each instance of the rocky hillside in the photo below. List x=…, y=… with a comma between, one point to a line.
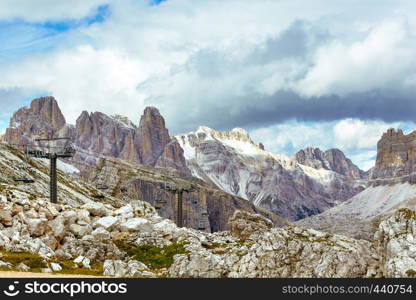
x=294, y=188
x=360, y=216
x=134, y=241
x=99, y=134
x=116, y=235
x=204, y=207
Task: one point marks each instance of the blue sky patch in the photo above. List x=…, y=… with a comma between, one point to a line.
x=156, y=2
x=101, y=14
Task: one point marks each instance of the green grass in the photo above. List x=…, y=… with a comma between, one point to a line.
x=68, y=267
x=34, y=261
x=215, y=246
x=152, y=256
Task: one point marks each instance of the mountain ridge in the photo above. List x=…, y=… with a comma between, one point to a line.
x=231, y=161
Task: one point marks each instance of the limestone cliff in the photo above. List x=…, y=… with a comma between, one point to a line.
x=43, y=118
x=99, y=134
x=396, y=155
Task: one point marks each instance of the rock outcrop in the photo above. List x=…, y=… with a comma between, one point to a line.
x=43, y=118
x=152, y=136
x=396, y=244
x=396, y=155
x=148, y=144
x=277, y=252
x=232, y=162
x=332, y=159
x=129, y=238
x=102, y=134
x=99, y=134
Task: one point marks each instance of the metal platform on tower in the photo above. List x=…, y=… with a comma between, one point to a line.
x=48, y=148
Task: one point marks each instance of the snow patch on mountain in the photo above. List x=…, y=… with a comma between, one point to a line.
x=322, y=176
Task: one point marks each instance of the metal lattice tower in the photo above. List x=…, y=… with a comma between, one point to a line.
x=52, y=153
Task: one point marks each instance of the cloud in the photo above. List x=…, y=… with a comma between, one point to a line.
x=384, y=57
x=47, y=10
x=84, y=79
x=355, y=134
x=251, y=64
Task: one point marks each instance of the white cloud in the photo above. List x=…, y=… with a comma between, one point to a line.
x=353, y=134
x=205, y=59
x=84, y=79
x=383, y=58
x=47, y=10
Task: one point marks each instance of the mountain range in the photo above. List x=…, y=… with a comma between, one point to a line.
x=294, y=188
x=309, y=183
x=332, y=219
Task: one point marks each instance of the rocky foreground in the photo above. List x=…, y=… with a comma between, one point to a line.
x=135, y=241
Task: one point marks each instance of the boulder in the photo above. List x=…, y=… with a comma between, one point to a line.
x=23, y=267
x=96, y=209
x=5, y=264
x=82, y=260
x=119, y=268
x=396, y=244
x=36, y=227
x=136, y=224
x=243, y=224
x=79, y=230
x=108, y=223
x=70, y=217
x=101, y=234
x=57, y=226
x=125, y=211
x=55, y=267
x=6, y=218
x=116, y=268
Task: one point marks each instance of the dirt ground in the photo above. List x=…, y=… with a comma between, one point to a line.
x=13, y=274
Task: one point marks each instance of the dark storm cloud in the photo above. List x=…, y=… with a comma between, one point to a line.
x=294, y=42
x=284, y=105
x=222, y=92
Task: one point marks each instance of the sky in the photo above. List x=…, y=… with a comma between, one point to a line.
x=293, y=73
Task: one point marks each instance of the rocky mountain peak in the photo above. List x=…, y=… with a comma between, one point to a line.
x=42, y=118
x=152, y=135
x=240, y=134
x=236, y=134
x=311, y=157
x=332, y=159
x=98, y=133
x=396, y=154
x=152, y=115
x=124, y=120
